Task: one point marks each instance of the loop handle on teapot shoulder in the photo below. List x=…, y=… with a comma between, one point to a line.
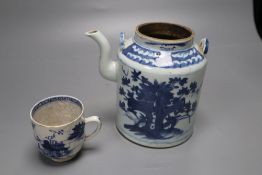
x=122, y=40
x=203, y=45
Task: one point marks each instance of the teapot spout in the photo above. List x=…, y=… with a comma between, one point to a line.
x=107, y=67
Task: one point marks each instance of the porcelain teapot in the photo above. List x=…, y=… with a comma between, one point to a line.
x=159, y=73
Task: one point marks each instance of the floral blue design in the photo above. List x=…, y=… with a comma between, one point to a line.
x=125, y=81
x=193, y=87
x=54, y=133
x=135, y=75
x=135, y=88
x=156, y=107
x=180, y=59
x=121, y=91
x=78, y=131
x=183, y=90
x=122, y=105
x=51, y=147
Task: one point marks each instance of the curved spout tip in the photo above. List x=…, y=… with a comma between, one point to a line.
x=91, y=32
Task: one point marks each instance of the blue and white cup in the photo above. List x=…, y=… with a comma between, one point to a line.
x=62, y=142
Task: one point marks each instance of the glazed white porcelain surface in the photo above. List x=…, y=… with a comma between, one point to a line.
x=62, y=142
x=158, y=82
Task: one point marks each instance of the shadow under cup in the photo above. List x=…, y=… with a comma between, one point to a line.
x=59, y=139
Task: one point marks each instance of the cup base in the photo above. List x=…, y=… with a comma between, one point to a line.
x=64, y=159
x=59, y=160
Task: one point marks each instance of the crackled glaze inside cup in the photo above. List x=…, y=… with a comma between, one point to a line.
x=56, y=112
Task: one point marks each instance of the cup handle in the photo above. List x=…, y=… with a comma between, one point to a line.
x=98, y=126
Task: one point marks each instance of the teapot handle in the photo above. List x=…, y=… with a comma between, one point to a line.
x=203, y=45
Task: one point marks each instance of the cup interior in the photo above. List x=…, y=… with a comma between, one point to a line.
x=56, y=111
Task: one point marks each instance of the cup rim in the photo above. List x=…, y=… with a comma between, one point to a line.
x=56, y=126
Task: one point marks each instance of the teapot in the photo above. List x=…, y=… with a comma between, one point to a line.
x=159, y=73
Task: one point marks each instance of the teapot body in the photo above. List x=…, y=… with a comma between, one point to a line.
x=158, y=89
x=159, y=74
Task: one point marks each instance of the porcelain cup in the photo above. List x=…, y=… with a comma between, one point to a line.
x=62, y=142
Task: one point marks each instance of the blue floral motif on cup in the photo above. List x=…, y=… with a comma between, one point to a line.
x=52, y=148
x=78, y=131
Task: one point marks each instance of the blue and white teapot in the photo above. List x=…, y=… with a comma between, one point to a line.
x=159, y=75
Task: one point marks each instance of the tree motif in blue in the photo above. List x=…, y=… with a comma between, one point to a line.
x=78, y=131
x=52, y=148
x=156, y=107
